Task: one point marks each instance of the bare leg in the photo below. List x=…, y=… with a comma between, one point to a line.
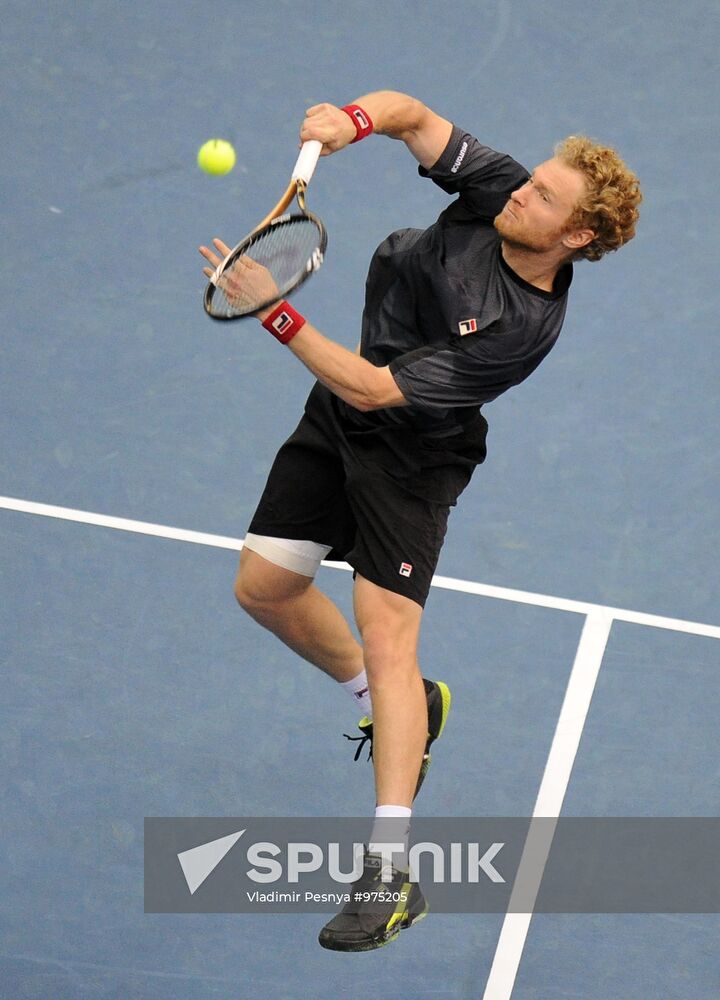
x=390, y=625
x=301, y=616
x=292, y=607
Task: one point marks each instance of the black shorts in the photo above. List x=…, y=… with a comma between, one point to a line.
x=334, y=486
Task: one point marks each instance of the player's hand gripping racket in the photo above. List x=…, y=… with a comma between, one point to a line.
x=278, y=255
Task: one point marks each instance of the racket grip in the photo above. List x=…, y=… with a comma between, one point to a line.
x=307, y=161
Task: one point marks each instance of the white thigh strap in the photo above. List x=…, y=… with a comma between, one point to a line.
x=303, y=557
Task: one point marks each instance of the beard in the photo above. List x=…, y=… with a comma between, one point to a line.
x=521, y=236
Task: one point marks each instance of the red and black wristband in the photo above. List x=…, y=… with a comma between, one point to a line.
x=284, y=322
x=360, y=119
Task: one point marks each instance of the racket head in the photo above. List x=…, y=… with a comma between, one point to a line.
x=290, y=247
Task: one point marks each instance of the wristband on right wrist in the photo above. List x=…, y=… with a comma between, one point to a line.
x=360, y=119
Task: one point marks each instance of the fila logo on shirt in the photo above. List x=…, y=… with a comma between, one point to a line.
x=282, y=322
x=467, y=326
x=405, y=569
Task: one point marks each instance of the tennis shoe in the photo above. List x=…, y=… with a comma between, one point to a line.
x=438, y=702
x=383, y=901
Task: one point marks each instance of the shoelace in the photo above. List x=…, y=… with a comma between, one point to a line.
x=365, y=738
x=361, y=740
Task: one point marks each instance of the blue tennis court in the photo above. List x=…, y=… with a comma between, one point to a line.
x=576, y=613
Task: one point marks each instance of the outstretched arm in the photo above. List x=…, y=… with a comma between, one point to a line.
x=396, y=115
x=361, y=384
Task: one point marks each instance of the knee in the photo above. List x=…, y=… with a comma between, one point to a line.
x=253, y=593
x=246, y=594
x=388, y=649
x=389, y=625
x=262, y=589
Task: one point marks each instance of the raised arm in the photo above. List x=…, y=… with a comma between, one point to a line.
x=354, y=379
x=393, y=114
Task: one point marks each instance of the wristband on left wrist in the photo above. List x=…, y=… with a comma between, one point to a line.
x=284, y=322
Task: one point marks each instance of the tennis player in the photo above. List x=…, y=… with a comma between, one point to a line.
x=454, y=316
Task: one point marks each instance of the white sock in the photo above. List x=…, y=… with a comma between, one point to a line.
x=392, y=824
x=359, y=691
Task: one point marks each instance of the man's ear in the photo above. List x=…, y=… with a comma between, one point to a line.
x=578, y=238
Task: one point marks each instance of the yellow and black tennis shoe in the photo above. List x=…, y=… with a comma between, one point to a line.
x=438, y=702
x=377, y=910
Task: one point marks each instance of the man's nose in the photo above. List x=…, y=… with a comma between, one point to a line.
x=519, y=195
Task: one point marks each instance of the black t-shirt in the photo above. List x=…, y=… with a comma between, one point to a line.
x=455, y=324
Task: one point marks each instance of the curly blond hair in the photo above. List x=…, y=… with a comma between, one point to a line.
x=610, y=206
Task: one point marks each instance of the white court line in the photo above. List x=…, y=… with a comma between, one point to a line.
x=120, y=523
x=443, y=582
x=555, y=780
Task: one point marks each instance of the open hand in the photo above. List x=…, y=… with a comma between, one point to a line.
x=245, y=282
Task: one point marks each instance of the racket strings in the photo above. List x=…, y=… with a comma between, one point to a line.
x=288, y=251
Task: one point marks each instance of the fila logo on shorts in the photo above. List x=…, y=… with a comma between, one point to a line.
x=405, y=569
x=467, y=326
x=282, y=322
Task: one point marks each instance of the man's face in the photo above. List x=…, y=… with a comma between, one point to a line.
x=536, y=216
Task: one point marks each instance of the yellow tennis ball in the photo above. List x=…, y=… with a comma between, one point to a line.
x=216, y=156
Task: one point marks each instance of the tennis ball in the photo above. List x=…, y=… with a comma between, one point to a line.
x=216, y=156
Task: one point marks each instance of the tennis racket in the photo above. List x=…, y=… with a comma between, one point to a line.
x=287, y=248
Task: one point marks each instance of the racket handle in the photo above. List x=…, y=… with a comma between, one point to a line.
x=307, y=161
